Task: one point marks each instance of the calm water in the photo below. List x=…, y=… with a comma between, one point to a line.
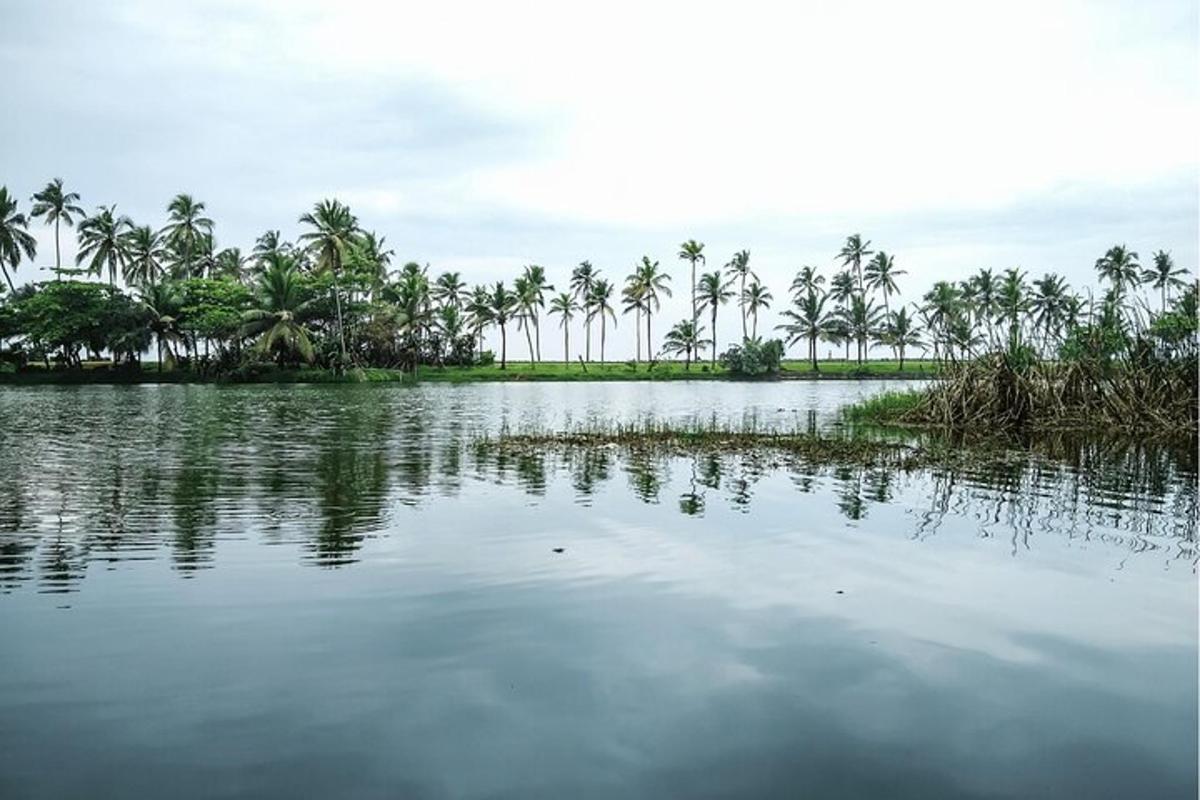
x=325, y=591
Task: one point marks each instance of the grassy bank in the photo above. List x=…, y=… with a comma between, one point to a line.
x=102, y=372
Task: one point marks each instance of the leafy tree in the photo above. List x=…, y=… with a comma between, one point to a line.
x=67, y=317
x=1163, y=276
x=685, y=338
x=102, y=243
x=185, y=229
x=535, y=277
x=808, y=280
x=853, y=253
x=504, y=308
x=739, y=269
x=693, y=252
x=334, y=232
x=144, y=253
x=278, y=320
x=714, y=292
x=753, y=358
x=57, y=206
x=902, y=332
x=564, y=305
x=583, y=278
x=214, y=309
x=14, y=236
x=1119, y=266
x=754, y=298
x=809, y=321
x=601, y=306
x=163, y=302
x=881, y=274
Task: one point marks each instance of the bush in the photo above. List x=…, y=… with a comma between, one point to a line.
x=753, y=358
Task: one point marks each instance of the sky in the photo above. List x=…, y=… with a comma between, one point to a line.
x=481, y=137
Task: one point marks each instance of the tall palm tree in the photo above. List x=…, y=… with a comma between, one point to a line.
x=1048, y=305
x=633, y=300
x=684, y=338
x=1119, y=266
x=527, y=305
x=479, y=311
x=693, y=251
x=536, y=276
x=861, y=317
x=504, y=307
x=450, y=290
x=881, y=276
x=902, y=332
x=270, y=244
x=144, y=254
x=600, y=303
x=807, y=280
x=186, y=224
x=841, y=289
x=15, y=238
x=373, y=256
x=739, y=269
x=942, y=303
x=853, y=253
x=56, y=206
x=163, y=302
x=1164, y=276
x=808, y=320
x=1012, y=303
x=713, y=293
x=755, y=297
x=583, y=278
x=282, y=308
x=652, y=283
x=564, y=305
x=102, y=242
x=333, y=233
x=981, y=292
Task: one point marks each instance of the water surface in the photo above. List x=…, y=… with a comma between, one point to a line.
x=326, y=591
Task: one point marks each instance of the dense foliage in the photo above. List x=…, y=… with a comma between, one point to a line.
x=753, y=358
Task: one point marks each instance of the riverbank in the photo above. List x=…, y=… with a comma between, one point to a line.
x=103, y=373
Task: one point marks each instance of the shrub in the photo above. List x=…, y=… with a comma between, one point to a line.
x=753, y=358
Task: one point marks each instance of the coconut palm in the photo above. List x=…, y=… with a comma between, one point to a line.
x=853, y=253
x=372, y=257
x=600, y=304
x=841, y=289
x=652, y=283
x=1012, y=303
x=15, y=238
x=162, y=302
x=1119, y=266
x=102, y=242
x=941, y=304
x=684, y=338
x=504, y=307
x=479, y=312
x=861, y=318
x=186, y=224
x=809, y=321
x=881, y=276
x=56, y=206
x=450, y=290
x=231, y=264
x=633, y=301
x=901, y=332
x=693, y=251
x=536, y=277
x=528, y=302
x=807, y=280
x=583, y=278
x=565, y=306
x=333, y=233
x=739, y=269
x=754, y=298
x=270, y=244
x=1164, y=276
x=144, y=253
x=278, y=320
x=713, y=292
x=1048, y=304
x=980, y=292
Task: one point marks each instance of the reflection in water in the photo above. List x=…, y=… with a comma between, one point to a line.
x=296, y=468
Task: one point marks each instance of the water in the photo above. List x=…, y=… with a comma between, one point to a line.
x=326, y=591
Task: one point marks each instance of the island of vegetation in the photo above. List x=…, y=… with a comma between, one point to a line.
x=164, y=303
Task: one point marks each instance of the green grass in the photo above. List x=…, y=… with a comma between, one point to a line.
x=888, y=407
x=520, y=371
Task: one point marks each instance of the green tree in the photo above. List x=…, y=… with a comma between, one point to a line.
x=601, y=306
x=808, y=280
x=186, y=225
x=283, y=307
x=651, y=283
x=564, y=305
x=57, y=206
x=754, y=298
x=739, y=269
x=583, y=278
x=479, y=312
x=1119, y=266
x=504, y=307
x=450, y=290
x=808, y=321
x=144, y=254
x=693, y=252
x=102, y=243
x=853, y=253
x=333, y=232
x=684, y=338
x=714, y=292
x=15, y=238
x=902, y=332
x=1163, y=276
x=881, y=274
x=162, y=302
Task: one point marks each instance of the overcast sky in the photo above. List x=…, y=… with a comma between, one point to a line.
x=481, y=137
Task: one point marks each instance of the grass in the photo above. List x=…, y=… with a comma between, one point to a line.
x=517, y=371
x=885, y=408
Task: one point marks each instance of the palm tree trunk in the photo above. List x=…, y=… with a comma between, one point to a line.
x=57, y=254
x=714, y=333
x=337, y=302
x=742, y=303
x=754, y=330
x=637, y=327
x=602, y=338
x=587, y=319
x=901, y=358
x=566, y=345
x=503, y=346
x=649, y=349
x=529, y=341
x=8, y=278
x=695, y=313
x=537, y=335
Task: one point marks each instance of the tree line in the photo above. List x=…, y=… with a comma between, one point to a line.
x=332, y=297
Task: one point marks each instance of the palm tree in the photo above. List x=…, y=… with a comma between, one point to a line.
x=633, y=300
x=373, y=257
x=504, y=306
x=479, y=310
x=739, y=269
x=808, y=321
x=862, y=319
x=853, y=253
x=881, y=275
x=270, y=244
x=1048, y=304
x=56, y=206
x=536, y=276
x=185, y=227
x=600, y=303
x=942, y=303
x=841, y=289
x=713, y=292
x=450, y=290
x=527, y=304
x=102, y=242
x=162, y=301
x=755, y=297
x=564, y=305
x=652, y=282
x=902, y=332
x=1119, y=266
x=1012, y=303
x=15, y=238
x=807, y=280
x=144, y=253
x=693, y=251
x=684, y=338
x=1164, y=276
x=583, y=278
x=333, y=233
x=981, y=292
x=279, y=319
